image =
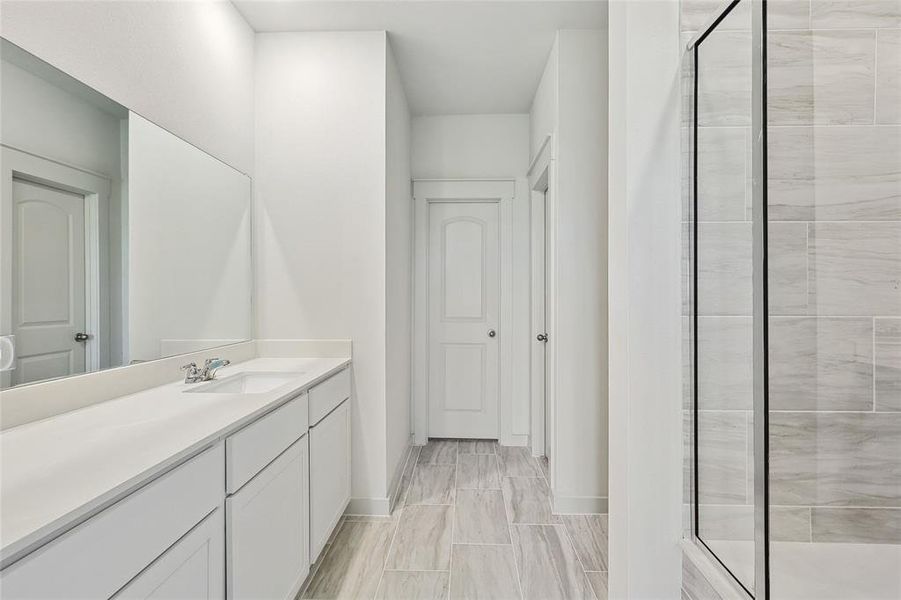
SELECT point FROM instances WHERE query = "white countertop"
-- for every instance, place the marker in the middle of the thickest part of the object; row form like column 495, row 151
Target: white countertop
column 56, row 472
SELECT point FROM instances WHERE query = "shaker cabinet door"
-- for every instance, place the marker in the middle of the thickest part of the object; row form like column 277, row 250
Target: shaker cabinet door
column 329, row 475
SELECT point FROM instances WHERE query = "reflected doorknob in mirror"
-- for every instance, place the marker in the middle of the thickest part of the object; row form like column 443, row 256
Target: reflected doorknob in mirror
column 82, row 337
column 491, row 333
column 541, row 337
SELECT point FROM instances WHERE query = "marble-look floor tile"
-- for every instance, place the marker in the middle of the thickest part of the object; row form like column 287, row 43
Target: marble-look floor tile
column 478, row 447
column 694, row 583
column 528, row 500
column 820, row 77
column 516, row 461
column 439, row 452
column 857, row 525
column 724, row 269
column 353, row 565
column 723, row 163
column 724, row 363
column 787, row 252
column 820, row 363
column 480, row 518
column 423, row 539
column 589, row 537
column 598, row 580
column 835, row 459
column 483, row 573
column 856, row 267
column 432, row 484
column 478, row 472
column 847, row 14
column 414, row 585
column 834, row 173
column 548, row 565
column 723, row 457
column 888, row 364
column 888, row 76
column 545, row 466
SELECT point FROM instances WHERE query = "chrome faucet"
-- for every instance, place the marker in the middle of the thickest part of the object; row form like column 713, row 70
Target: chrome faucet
column 194, row 374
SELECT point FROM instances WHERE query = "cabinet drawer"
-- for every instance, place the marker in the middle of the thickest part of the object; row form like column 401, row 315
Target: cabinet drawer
column 329, row 394
column 252, row 448
column 99, row 556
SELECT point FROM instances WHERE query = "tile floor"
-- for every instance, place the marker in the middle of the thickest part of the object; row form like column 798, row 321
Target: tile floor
column 473, row 520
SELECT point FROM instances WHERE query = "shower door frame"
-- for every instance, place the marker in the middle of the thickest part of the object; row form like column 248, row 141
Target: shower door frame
column 760, row 312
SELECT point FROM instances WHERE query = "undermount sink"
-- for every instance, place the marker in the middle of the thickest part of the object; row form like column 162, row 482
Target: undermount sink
column 250, row 382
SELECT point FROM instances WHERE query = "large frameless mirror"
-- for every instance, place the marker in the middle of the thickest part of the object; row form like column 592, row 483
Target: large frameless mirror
column 119, row 242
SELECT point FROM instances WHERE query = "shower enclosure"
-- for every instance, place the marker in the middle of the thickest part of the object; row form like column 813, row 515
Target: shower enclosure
column 793, row 296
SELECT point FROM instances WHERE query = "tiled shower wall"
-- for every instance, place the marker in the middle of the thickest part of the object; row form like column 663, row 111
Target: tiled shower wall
column 834, row 182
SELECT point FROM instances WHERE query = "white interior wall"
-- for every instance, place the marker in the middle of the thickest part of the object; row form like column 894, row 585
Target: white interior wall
column 571, row 104
column 485, row 147
column 398, row 273
column 187, row 66
column 645, row 300
column 320, row 215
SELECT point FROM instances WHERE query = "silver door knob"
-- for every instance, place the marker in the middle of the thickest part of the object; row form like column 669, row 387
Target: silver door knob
column 491, row 333
column 541, row 337
column 82, row 337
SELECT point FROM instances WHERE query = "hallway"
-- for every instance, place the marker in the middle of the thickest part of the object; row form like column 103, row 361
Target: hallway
column 473, row 521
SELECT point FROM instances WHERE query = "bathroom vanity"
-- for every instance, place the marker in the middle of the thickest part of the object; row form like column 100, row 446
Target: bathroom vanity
column 228, row 488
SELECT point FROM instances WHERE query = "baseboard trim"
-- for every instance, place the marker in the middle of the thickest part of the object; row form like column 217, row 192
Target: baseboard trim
column 399, row 469
column 580, row 505
column 374, row 507
column 515, row 439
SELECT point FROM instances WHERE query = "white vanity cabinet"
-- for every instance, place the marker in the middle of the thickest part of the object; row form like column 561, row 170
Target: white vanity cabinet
column 192, row 568
column 330, row 459
column 268, row 516
column 102, row 555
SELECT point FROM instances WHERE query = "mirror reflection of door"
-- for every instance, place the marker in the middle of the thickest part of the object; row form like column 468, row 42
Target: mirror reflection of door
column 48, row 297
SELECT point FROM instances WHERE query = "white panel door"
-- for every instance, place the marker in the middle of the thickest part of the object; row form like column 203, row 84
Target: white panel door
column 464, row 298
column 48, row 270
column 268, row 530
column 193, row 568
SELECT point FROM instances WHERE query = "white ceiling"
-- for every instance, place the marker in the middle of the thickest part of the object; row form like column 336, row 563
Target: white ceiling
column 455, row 56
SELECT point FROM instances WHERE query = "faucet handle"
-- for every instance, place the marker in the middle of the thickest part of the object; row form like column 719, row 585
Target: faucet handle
column 189, row 367
column 210, row 361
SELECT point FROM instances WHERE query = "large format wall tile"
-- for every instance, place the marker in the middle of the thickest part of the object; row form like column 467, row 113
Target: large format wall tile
column 723, row 173
column 724, row 363
column 835, row 459
column 723, row 457
column 724, row 79
column 844, row 14
column 820, row 77
column 787, row 523
column 888, row 364
column 781, row 14
column 818, row 363
column 834, row 173
column 857, row 525
column 787, row 249
column 724, row 269
column 856, row 268
column 888, row 76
